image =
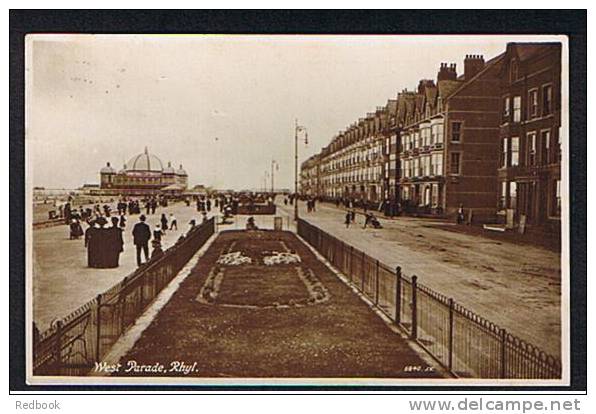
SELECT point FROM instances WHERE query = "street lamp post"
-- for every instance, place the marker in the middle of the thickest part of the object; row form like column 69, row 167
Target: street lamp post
column 274, row 166
column 297, row 128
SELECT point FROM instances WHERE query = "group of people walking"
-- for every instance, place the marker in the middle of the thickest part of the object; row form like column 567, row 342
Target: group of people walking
column 104, row 244
column 104, row 235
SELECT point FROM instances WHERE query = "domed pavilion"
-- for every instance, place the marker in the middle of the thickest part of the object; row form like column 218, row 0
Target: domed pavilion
column 143, row 174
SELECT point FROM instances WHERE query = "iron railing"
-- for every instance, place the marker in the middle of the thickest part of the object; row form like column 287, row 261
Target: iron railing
column 73, row 345
column 464, row 343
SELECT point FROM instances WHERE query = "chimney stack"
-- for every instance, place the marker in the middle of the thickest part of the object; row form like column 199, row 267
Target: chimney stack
column 473, row 64
column 423, row 84
column 447, row 72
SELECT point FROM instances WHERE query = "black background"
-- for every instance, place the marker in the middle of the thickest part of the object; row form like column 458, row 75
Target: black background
column 560, row 22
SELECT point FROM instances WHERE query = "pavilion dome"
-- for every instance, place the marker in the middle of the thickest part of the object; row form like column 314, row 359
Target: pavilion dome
column 169, row 169
column 145, row 162
column 108, row 169
column 181, row 171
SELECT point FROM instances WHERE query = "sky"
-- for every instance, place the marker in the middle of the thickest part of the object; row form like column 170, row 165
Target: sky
column 222, row 106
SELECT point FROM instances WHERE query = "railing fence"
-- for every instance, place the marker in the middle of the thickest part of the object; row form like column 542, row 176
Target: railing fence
column 463, row 342
column 73, row 345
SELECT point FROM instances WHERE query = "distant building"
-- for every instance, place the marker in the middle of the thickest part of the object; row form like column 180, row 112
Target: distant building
column 143, row 174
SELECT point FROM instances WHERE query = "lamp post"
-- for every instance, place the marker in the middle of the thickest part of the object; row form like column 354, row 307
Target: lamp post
column 274, row 166
column 297, row 128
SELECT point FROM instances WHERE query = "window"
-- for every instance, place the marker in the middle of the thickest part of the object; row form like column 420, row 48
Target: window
column 504, row 154
column 545, row 142
column 435, row 195
column 427, row 166
column 516, row 108
column 531, row 148
column 455, row 131
column 533, row 103
column 512, row 194
column 455, row 165
column 437, row 164
column 506, row 108
column 514, row 151
column 426, row 136
column 416, row 167
column 436, row 134
column 547, row 100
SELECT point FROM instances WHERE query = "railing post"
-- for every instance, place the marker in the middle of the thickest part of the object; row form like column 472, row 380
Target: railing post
column 362, row 273
column 377, row 284
column 503, row 336
column 451, row 333
column 122, row 305
column 351, row 263
column 414, row 333
column 98, row 330
column 398, row 295
column 58, row 349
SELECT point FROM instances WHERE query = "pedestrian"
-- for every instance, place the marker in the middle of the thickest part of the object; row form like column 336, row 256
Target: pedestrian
column 366, row 219
column 141, row 234
column 164, row 222
column 122, row 223
column 75, row 229
column 353, row 216
column 460, row 214
column 115, row 244
column 173, row 222
column 348, row 219
column 91, row 248
column 157, row 233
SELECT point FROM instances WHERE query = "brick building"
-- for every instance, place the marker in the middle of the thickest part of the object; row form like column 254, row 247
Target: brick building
column 529, row 173
column 450, row 139
column 353, row 165
column 309, row 177
column 487, row 140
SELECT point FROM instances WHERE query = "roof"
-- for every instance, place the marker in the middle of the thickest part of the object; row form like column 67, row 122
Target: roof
column 173, row 187
column 169, row 169
column 447, row 87
column 145, row 162
column 107, row 169
column 527, row 50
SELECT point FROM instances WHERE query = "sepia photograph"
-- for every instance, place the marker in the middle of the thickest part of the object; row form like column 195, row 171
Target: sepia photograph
column 234, row 209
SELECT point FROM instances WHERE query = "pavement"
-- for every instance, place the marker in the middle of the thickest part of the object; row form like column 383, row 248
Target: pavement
column 517, row 286
column 61, row 279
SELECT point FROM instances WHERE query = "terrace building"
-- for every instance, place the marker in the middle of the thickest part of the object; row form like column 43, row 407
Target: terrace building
column 309, row 177
column 529, row 173
column 355, row 164
column 487, row 140
column 450, row 139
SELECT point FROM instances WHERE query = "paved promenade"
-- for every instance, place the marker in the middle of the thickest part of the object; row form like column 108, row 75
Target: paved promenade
column 61, row 279
column 514, row 285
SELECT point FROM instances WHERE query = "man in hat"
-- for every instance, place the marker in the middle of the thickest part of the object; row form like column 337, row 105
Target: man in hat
column 141, row 234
